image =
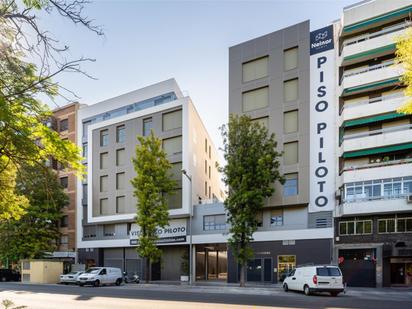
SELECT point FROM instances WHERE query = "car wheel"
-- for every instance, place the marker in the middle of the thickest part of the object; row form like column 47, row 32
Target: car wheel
column 334, row 294
column 81, row 284
column 96, row 283
column 285, row 287
column 306, row 290
column 118, row 282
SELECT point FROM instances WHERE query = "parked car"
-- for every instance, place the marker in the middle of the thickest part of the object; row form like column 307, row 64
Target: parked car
column 97, row 276
column 9, row 275
column 311, row 279
column 70, row 277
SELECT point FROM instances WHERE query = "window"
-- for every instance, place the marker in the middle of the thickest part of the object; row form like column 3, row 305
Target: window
column 290, row 122
column 104, row 183
column 147, row 126
column 255, row 69
column 210, row 193
column 255, row 99
column 84, row 149
column 64, row 240
column 173, row 145
column 290, row 59
column 104, row 137
column 214, row 222
column 386, row 225
column 120, row 181
column 392, row 225
column 120, row 157
column 210, row 152
column 290, row 155
column 290, row 90
column 290, row 187
column 120, row 204
column 104, row 160
column 264, row 121
column 63, row 125
column 172, row 120
column 174, row 200
column 109, row 230
column 276, row 217
column 210, row 171
column 328, row 271
column 120, row 134
column 64, row 221
column 64, row 181
column 206, row 145
column 206, row 188
column 404, row 225
column 104, row 206
column 357, row 227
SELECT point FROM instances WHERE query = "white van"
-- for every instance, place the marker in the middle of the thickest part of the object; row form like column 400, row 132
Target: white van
column 309, row 279
column 97, row 276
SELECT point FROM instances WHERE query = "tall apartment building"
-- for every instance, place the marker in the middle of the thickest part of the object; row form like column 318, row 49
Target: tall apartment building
column 64, row 121
column 373, row 225
column 270, row 80
column 106, row 232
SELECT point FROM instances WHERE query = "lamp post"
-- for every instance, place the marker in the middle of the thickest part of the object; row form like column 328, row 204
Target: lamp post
column 190, row 227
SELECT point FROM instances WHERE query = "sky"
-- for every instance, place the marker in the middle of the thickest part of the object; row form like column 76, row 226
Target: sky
column 149, row 41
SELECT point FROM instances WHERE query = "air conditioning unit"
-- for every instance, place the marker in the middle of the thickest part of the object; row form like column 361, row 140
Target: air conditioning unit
column 409, row 198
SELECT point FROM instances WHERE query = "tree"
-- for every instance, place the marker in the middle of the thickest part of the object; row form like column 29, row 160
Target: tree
column 251, row 169
column 404, row 56
column 152, row 185
column 37, row 231
column 29, row 59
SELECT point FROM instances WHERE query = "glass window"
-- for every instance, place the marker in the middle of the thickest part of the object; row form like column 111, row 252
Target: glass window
column 276, row 217
column 173, row 145
column 104, row 137
column 121, row 134
column 174, row 200
column 381, row 226
column 104, row 160
column 351, row 228
column 120, row 157
column 84, row 150
column 390, row 226
column 368, row 227
column 85, row 125
column 409, row 225
column 290, row 122
column 104, row 206
column 214, row 222
column 290, row 187
column 64, row 181
column 63, row 125
column 359, row 227
column 290, row 155
column 172, row 120
column 108, row 230
column 147, row 126
column 104, row 183
column 120, row 204
column 255, row 99
column 291, row 90
column 120, row 181
column 264, row 121
column 290, row 59
column 64, row 221
column 401, row 225
column 342, row 228
column 64, row 239
column 255, row 69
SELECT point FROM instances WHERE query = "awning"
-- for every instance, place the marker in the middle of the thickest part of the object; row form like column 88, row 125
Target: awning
column 367, row 120
column 378, row 150
column 381, row 84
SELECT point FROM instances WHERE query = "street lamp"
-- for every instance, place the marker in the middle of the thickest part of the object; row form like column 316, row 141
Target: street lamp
column 190, row 226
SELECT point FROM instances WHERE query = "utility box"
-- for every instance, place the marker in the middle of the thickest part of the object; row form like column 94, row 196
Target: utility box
column 41, row 271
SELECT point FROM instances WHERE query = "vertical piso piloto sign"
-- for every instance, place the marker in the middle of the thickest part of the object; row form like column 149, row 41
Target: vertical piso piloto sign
column 322, row 120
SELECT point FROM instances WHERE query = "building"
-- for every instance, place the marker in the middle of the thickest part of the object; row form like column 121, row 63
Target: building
column 106, row 232
column 270, row 80
column 373, row 218
column 64, row 121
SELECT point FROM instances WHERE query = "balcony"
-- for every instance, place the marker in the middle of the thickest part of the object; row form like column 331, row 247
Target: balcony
column 368, row 207
column 381, row 105
column 377, row 138
column 373, row 44
column 370, row 75
column 369, row 172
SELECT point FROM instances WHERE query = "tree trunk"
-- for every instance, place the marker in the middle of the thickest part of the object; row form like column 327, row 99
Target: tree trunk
column 148, row 270
column 242, row 275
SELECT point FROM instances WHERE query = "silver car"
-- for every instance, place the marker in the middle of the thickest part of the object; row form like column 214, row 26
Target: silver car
column 71, row 277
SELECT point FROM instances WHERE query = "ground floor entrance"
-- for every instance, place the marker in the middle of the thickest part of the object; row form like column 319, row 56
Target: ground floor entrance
column 211, row 262
column 401, row 271
column 358, row 267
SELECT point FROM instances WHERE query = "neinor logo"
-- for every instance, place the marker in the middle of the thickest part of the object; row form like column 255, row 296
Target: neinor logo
column 321, row 43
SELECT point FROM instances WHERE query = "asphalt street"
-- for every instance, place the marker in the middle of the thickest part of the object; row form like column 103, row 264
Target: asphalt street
column 159, row 297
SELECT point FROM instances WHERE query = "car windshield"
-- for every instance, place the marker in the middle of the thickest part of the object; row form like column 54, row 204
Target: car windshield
column 72, row 273
column 328, row 271
column 92, row 271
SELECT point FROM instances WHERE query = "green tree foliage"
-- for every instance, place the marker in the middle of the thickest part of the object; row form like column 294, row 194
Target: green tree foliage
column 404, row 56
column 37, row 231
column 250, row 173
column 152, row 185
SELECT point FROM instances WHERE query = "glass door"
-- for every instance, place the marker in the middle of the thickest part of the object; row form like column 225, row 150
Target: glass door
column 286, row 263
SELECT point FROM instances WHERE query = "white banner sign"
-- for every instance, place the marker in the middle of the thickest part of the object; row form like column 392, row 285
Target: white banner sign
column 322, row 120
column 176, row 228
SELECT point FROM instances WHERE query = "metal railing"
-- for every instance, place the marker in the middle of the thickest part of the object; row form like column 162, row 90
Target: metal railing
column 395, row 97
column 367, row 69
column 377, row 132
column 377, row 164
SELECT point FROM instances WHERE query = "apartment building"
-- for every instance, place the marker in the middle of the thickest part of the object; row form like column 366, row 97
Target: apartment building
column 373, row 217
column 271, row 79
column 106, row 229
column 64, row 121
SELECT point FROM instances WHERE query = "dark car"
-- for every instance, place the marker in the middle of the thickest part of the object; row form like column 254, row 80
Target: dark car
column 9, row 275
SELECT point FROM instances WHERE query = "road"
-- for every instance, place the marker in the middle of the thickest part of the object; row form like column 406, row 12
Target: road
column 145, row 297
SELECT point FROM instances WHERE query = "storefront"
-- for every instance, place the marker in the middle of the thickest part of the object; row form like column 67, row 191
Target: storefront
column 211, row 262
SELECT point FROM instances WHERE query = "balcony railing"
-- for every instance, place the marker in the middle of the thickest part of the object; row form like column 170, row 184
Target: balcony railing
column 394, row 97
column 369, row 36
column 377, row 132
column 375, row 198
column 377, row 164
column 367, row 69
